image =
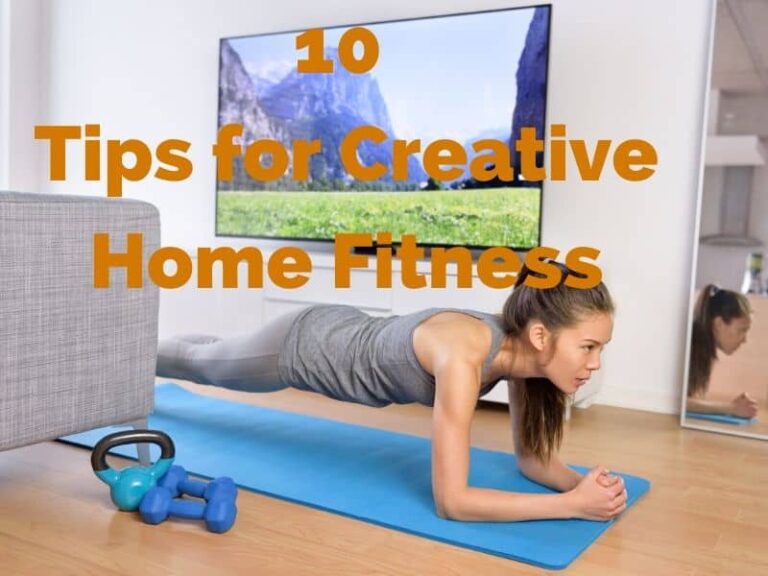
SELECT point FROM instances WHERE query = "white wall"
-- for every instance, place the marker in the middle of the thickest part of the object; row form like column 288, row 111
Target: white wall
column 618, row 70
column 24, row 39
column 5, row 50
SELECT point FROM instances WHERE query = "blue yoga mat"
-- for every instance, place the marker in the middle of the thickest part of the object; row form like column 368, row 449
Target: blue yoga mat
column 372, row 475
column 720, row 418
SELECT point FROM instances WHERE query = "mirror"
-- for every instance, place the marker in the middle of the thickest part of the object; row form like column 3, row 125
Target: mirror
column 726, row 388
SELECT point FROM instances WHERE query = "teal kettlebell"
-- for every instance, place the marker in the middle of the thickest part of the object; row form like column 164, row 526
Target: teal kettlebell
column 128, row 486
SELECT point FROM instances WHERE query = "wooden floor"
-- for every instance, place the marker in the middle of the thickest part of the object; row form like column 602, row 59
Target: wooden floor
column 706, row 513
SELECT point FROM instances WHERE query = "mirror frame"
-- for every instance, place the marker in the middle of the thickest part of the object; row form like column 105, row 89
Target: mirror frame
column 684, row 423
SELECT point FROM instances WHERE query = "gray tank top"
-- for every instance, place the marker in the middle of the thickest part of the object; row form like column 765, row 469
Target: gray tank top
column 342, row 352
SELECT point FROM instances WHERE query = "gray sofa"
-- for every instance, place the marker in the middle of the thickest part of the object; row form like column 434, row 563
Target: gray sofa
column 72, row 357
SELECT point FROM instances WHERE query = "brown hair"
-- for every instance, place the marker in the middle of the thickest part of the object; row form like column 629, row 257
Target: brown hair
column 713, row 302
column 541, row 403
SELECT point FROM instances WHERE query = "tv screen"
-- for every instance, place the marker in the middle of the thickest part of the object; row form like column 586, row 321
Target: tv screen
column 464, row 78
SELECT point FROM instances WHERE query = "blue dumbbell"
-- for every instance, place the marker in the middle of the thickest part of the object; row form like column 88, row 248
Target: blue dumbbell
column 177, row 482
column 158, row 504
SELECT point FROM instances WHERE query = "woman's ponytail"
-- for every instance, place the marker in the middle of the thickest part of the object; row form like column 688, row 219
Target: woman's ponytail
column 541, row 403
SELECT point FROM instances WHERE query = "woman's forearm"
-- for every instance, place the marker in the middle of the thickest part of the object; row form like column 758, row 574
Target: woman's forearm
column 708, row 406
column 489, row 505
column 555, row 474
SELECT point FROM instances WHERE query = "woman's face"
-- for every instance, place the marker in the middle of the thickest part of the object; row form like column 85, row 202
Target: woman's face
column 729, row 336
column 576, row 351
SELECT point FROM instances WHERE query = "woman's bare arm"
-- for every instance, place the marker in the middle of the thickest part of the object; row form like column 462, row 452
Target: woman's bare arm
column 707, row 406
column 743, row 406
column 456, row 392
column 553, row 474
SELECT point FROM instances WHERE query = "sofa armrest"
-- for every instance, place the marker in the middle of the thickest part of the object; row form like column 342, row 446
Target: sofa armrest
column 72, row 357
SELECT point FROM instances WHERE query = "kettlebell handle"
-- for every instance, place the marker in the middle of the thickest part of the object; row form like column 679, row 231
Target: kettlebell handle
column 99, row 454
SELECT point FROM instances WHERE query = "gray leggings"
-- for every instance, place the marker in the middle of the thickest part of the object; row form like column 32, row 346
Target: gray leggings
column 247, row 362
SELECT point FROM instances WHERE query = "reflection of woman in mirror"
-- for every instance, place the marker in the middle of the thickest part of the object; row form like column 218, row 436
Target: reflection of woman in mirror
column 721, row 320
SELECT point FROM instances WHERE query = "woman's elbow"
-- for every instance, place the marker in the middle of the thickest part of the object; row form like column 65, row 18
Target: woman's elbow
column 530, row 466
column 448, row 507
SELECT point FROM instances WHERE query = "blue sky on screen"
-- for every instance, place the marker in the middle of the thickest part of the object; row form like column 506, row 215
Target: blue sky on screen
column 447, row 77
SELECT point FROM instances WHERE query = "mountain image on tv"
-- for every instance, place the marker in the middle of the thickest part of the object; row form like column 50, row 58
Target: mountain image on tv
column 465, row 78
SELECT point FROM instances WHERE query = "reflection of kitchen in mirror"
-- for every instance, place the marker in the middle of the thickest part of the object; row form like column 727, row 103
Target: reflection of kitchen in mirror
column 727, row 385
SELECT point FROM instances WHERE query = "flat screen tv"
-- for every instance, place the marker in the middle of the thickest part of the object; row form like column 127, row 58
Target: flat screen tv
column 464, row 77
